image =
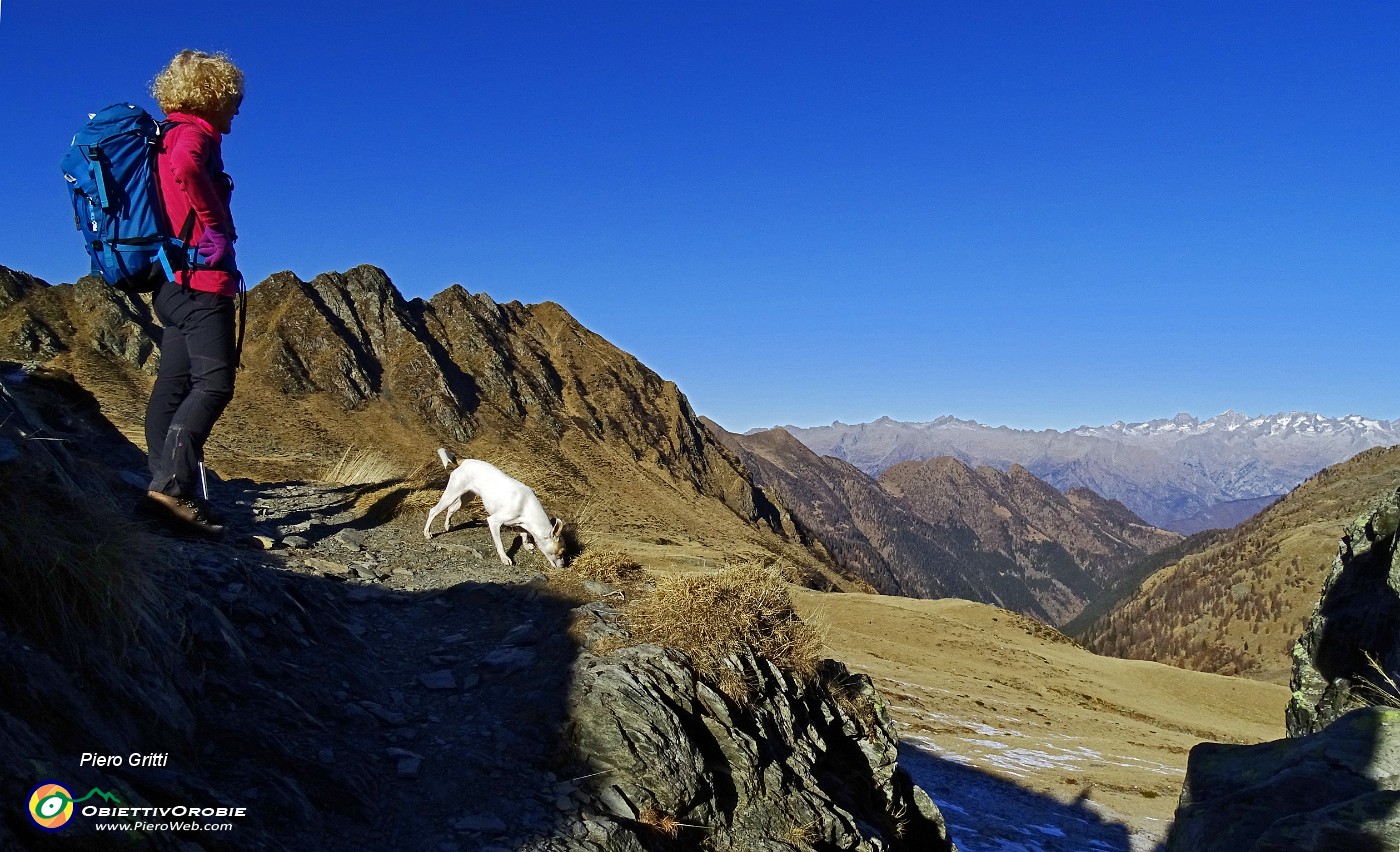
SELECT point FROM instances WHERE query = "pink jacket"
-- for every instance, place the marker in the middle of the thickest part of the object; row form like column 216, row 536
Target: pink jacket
column 190, row 174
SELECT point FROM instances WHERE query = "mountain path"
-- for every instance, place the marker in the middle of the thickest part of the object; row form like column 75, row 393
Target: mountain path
column 433, row 697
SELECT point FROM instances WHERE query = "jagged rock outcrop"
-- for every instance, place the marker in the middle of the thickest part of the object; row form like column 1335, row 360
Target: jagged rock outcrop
column 1349, row 653
column 791, row 768
column 1334, row 791
column 37, row 322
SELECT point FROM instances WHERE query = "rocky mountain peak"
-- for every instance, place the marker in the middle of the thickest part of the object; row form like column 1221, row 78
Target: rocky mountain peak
column 15, row 285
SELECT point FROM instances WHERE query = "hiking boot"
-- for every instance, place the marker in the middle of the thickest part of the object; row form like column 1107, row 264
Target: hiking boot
column 190, row 512
column 213, row 515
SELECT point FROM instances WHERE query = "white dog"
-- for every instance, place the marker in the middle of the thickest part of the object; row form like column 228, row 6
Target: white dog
column 507, row 503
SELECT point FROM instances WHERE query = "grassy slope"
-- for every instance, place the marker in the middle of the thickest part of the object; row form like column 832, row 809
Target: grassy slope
column 1238, row 605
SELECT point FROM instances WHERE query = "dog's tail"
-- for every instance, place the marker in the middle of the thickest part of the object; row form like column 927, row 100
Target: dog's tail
column 445, row 457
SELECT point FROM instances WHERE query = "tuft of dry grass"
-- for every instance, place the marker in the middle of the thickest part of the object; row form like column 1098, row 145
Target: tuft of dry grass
column 712, row 617
column 852, row 695
column 802, row 835
column 1381, row 692
column 362, row 467
column 608, row 565
column 76, row 575
column 662, row 822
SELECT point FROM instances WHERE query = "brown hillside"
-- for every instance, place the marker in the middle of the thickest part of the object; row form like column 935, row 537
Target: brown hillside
column 344, row 363
column 871, row 534
column 1238, row 605
column 1069, row 547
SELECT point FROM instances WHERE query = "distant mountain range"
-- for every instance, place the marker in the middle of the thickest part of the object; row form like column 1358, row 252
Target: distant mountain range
column 1181, row 474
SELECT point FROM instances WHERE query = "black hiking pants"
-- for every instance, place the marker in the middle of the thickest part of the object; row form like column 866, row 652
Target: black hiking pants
column 194, row 383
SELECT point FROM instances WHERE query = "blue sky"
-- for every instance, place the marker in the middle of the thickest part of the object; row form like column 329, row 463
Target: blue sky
column 1033, row 214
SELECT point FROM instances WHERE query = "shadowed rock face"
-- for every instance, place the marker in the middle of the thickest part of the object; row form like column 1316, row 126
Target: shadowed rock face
column 1349, row 653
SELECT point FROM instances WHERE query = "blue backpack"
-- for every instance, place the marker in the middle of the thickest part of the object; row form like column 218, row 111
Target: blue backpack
column 110, row 170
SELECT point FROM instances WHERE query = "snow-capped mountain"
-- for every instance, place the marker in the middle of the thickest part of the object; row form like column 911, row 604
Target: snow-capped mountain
column 1168, row 471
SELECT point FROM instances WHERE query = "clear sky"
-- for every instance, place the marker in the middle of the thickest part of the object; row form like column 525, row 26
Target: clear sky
column 1039, row 214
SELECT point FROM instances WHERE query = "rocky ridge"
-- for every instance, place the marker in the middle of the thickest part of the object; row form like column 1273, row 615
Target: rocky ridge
column 343, row 364
column 356, row 687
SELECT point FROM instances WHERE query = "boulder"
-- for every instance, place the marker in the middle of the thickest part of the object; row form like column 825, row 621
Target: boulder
column 1336, row 790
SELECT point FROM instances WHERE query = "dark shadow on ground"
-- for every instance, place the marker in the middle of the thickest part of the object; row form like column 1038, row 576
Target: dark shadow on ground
column 987, row 813
column 342, row 714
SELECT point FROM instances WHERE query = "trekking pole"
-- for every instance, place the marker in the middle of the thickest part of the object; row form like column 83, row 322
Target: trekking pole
column 203, row 483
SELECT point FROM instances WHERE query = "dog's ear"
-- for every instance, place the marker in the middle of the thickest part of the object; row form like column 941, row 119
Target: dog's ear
column 558, row 527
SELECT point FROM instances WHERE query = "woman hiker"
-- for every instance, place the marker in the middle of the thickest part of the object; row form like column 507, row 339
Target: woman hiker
column 200, row 94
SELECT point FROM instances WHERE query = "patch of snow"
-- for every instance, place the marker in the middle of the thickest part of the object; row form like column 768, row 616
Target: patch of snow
column 1047, row 829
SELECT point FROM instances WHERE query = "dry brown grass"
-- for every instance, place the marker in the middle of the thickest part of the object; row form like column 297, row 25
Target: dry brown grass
column 802, row 835
column 76, row 575
column 608, row 565
column 715, row 616
column 362, row 467
column 855, row 696
column 1379, row 690
column 662, row 822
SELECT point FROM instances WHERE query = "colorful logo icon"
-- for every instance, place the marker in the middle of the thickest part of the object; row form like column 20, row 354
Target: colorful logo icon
column 50, row 806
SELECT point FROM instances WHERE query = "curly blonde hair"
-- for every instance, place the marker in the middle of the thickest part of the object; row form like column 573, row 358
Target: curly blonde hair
column 198, row 82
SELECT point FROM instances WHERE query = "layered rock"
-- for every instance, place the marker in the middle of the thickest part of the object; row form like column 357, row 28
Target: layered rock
column 793, row 767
